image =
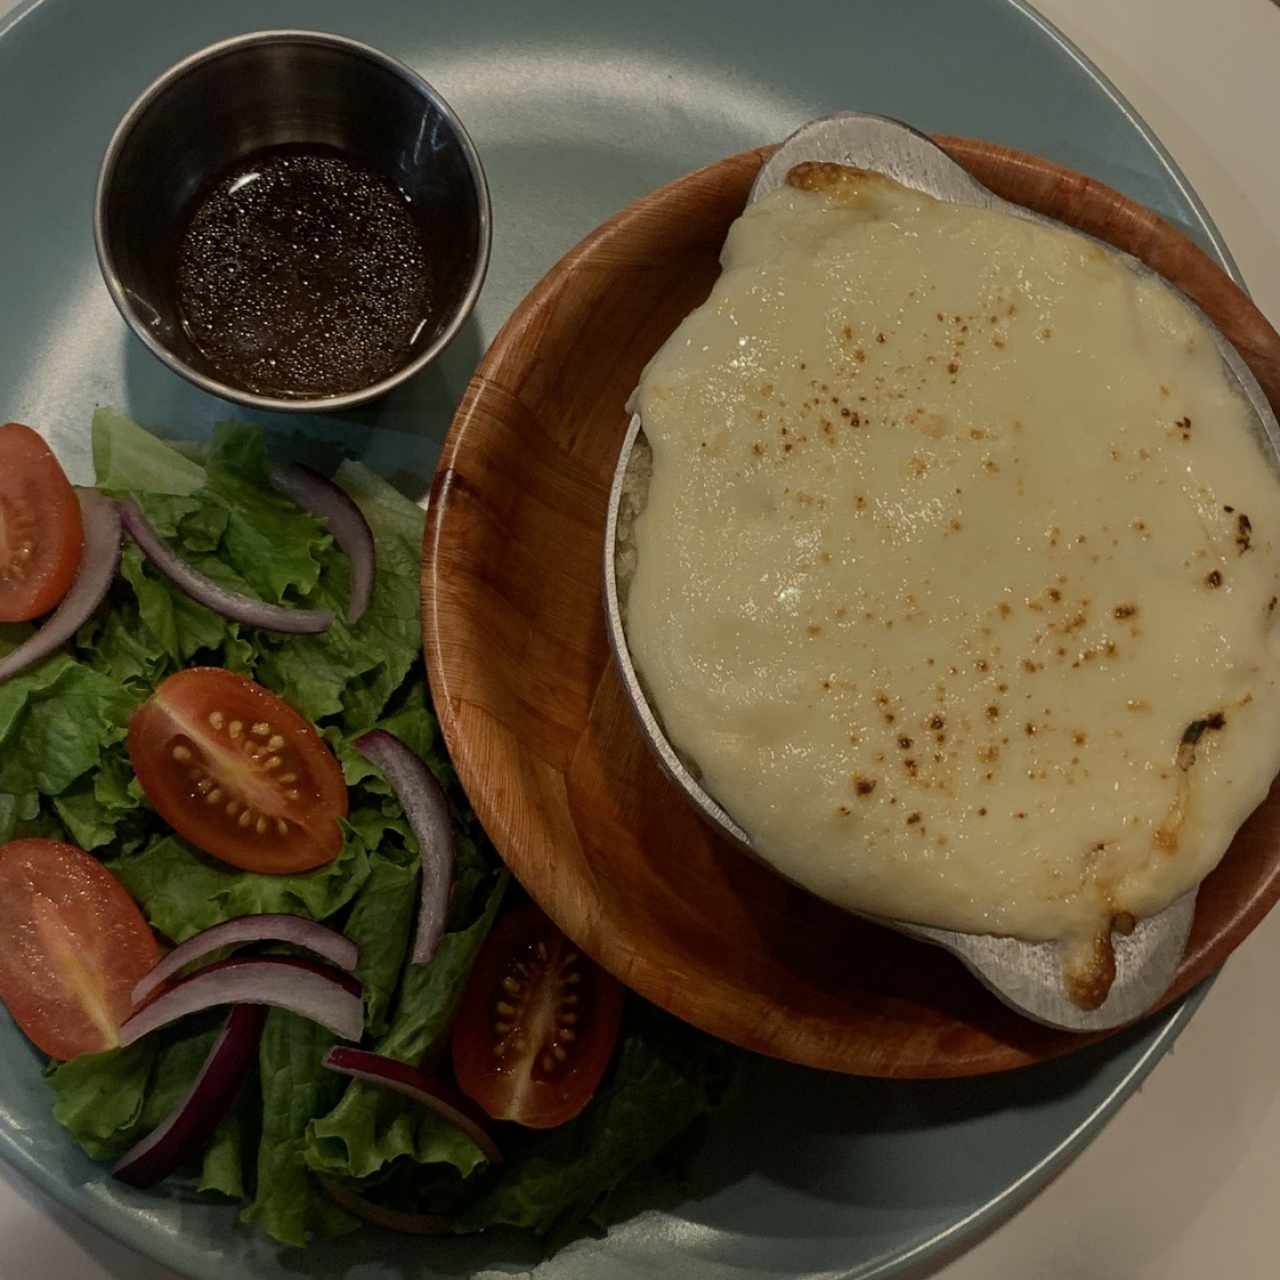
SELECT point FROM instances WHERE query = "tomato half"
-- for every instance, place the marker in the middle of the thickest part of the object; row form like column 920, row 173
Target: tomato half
column 75, row 946
column 41, row 538
column 238, row 772
column 537, row 1025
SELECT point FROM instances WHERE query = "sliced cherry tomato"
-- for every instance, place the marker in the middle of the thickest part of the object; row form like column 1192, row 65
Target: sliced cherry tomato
column 75, row 946
column 41, row 538
column 238, row 772
column 537, row 1025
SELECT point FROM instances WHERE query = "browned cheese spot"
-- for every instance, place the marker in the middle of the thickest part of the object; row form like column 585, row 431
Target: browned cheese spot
column 1244, row 533
column 1089, row 972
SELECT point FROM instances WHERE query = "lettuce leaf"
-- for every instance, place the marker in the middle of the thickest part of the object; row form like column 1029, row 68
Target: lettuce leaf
column 287, row 1204
column 222, row 1167
column 99, row 1097
column 17, row 812
column 55, row 721
column 184, row 891
column 105, row 806
column 273, row 545
column 370, row 1127
column 379, row 924
column 108, row 1101
column 115, row 643
column 128, row 459
column 411, row 720
column 175, row 625
column 352, row 671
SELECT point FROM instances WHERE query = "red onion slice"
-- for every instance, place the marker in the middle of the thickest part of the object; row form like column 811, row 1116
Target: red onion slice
column 194, row 1120
column 375, row 1068
column 413, row 1224
column 98, row 562
column 327, row 996
column 345, row 521
column 295, row 930
column 203, row 590
column 427, row 811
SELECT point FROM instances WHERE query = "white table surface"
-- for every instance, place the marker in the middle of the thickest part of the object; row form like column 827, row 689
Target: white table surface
column 1185, row 1182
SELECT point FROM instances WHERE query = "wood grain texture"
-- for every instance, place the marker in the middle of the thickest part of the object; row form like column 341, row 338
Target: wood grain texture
column 537, row 721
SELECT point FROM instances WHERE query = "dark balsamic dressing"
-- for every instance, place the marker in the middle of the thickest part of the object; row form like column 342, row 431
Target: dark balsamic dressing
column 302, row 273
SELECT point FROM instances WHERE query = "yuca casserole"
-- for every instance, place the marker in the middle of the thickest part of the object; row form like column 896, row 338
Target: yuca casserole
column 949, row 564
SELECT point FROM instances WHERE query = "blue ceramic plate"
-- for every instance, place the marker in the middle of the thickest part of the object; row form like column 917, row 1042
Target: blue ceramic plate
column 577, row 109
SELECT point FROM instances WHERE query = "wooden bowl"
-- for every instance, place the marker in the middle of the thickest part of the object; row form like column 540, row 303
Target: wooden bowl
column 540, row 730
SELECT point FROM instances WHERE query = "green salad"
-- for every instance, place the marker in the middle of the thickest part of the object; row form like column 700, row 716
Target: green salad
column 65, row 774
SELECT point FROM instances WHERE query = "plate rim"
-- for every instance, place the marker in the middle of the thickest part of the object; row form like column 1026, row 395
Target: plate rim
column 975, row 1226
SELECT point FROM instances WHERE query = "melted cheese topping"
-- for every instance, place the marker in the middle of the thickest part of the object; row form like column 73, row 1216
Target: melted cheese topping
column 956, row 572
